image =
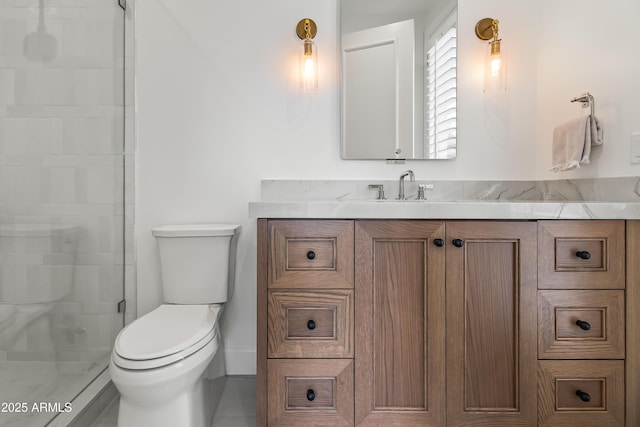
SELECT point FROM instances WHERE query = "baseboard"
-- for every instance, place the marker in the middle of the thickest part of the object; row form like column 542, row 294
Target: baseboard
column 240, row 361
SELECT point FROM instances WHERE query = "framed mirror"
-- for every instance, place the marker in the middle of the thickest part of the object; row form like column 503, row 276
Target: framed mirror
column 398, row 79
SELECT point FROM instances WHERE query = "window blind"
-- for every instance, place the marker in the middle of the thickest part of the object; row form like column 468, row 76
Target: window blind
column 440, row 90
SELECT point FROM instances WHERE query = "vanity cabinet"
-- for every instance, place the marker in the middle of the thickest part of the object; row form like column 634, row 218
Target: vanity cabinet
column 448, row 323
column 309, row 303
column 581, row 323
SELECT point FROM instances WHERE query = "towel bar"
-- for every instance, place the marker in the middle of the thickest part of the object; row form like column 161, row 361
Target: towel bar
column 587, row 101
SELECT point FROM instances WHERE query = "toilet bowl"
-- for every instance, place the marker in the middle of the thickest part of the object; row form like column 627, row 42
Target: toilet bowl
column 168, row 365
column 159, row 359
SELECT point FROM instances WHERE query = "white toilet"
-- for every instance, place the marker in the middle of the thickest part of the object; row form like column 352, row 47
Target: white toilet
column 168, row 365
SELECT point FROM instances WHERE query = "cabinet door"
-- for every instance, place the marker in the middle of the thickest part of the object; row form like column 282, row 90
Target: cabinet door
column 491, row 323
column 399, row 323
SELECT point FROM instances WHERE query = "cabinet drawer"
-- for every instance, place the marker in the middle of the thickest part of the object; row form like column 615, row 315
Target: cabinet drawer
column 310, row 392
column 581, row 255
column 581, row 324
column 581, row 393
column 310, row 254
column 307, row 324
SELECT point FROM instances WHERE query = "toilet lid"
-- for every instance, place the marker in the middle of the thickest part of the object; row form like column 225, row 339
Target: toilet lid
column 167, row 330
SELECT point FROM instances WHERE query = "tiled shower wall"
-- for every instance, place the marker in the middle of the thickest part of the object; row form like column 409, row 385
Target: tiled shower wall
column 62, row 126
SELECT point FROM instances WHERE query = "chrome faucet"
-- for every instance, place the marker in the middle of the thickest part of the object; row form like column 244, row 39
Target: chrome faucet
column 380, row 189
column 401, row 186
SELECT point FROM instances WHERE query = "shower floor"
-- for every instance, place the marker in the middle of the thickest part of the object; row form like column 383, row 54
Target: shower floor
column 33, row 392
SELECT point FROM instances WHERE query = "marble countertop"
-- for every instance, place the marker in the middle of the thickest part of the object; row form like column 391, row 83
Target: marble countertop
column 464, row 209
column 615, row 198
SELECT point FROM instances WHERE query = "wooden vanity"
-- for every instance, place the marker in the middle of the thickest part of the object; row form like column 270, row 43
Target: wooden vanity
column 411, row 322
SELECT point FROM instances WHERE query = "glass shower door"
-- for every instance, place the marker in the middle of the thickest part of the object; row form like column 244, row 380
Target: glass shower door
column 61, row 200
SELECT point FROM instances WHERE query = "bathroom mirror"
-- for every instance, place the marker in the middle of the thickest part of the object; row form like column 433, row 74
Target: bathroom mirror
column 398, row 79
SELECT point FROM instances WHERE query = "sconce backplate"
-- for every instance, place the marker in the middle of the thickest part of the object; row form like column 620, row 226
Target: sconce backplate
column 484, row 29
column 302, row 32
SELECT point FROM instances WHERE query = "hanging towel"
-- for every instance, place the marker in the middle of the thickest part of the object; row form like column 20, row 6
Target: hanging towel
column 572, row 142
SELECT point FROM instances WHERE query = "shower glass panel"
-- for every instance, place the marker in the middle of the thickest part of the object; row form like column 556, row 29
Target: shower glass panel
column 62, row 223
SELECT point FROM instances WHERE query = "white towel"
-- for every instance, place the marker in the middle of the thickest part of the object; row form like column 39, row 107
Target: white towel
column 572, row 143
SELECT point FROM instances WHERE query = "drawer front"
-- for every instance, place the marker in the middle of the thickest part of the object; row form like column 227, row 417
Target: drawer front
column 576, row 324
column 310, row 254
column 581, row 393
column 310, row 392
column 581, row 255
column 307, row 324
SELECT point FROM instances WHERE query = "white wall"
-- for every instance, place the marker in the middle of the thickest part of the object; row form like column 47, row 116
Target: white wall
column 597, row 54
column 218, row 110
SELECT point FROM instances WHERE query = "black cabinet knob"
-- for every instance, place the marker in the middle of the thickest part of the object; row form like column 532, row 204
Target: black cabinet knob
column 438, row 242
column 585, row 326
column 311, row 395
column 458, row 243
column 583, row 255
column 311, row 255
column 584, row 396
column 311, row 325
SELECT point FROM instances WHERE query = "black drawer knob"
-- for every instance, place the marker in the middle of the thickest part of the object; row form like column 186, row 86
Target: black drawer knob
column 585, row 326
column 458, row 243
column 583, row 255
column 311, row 325
column 584, row 396
column 311, row 395
column 311, row 255
column 438, row 242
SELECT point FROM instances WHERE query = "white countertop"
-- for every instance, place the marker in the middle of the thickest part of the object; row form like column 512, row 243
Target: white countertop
column 466, row 209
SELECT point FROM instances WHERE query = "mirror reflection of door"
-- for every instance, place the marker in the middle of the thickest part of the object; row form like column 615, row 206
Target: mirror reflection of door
column 378, row 88
column 398, row 79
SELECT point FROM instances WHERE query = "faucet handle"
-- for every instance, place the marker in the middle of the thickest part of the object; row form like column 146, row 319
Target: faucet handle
column 421, row 190
column 380, row 189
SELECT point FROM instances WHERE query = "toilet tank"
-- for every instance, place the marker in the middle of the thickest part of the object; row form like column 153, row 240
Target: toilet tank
column 197, row 262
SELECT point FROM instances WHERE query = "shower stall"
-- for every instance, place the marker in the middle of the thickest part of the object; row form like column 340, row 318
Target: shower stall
column 65, row 199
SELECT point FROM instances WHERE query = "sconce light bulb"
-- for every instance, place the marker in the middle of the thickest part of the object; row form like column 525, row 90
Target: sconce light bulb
column 495, row 75
column 495, row 65
column 308, row 68
column 496, row 60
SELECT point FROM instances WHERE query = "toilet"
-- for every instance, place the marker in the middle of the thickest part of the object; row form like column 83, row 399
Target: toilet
column 168, row 365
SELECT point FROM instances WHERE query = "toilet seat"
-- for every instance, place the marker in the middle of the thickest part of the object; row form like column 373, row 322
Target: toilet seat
column 166, row 335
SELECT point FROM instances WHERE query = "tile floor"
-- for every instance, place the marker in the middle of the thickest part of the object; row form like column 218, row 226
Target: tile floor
column 49, row 383
column 237, row 406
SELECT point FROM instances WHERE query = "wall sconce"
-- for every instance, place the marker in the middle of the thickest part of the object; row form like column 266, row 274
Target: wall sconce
column 495, row 75
column 308, row 68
